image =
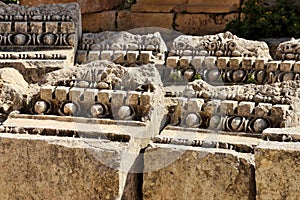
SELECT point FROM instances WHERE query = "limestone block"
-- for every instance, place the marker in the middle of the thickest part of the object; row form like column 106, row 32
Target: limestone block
column 297, row 66
column 89, row 96
column 93, row 55
column 228, row 107
column 159, row 6
column 118, row 98
column 178, row 172
column 67, row 27
column 21, row 27
column 46, row 92
column 219, row 6
column 51, row 27
column 146, row 98
column 273, row 65
column 81, row 56
column 206, row 23
column 75, row 94
column 132, row 56
column 127, row 20
column 107, row 55
column 286, row 65
column 262, row 109
column 145, row 56
column 197, row 62
column 195, row 105
column 48, row 167
column 223, row 62
column 98, row 22
column 277, row 171
column 246, row 108
column 87, row 6
column 279, row 111
column 5, row 27
column 61, row 93
column 172, row 61
column 247, row 63
column 132, row 98
column 185, row 61
column 235, row 63
column 260, row 63
column 119, row 56
column 104, row 96
column 210, row 62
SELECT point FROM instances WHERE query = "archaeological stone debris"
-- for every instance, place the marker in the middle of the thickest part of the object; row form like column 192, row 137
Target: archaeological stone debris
column 119, row 115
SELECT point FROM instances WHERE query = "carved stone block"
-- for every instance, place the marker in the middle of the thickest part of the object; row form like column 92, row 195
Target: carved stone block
column 107, row 55
column 46, row 93
column 262, row 109
column 287, row 65
column 197, row 62
column 195, row 105
column 36, row 27
column 223, row 62
column 228, row 107
column 210, row 62
column 93, row 55
column 245, row 108
column 61, row 93
column 5, row 27
column 172, row 61
column 132, row 98
column 21, row 27
column 104, row 96
column 273, row 65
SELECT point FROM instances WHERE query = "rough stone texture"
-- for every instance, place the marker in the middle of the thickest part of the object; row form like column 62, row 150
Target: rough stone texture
column 201, row 24
column 40, row 167
column 45, row 33
column 127, row 20
column 277, row 170
column 196, row 173
column 191, row 6
column 289, row 50
column 109, row 40
column 98, row 22
column 87, row 6
column 226, row 43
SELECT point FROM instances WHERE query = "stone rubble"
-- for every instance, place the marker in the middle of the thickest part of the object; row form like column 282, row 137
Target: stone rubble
column 130, row 118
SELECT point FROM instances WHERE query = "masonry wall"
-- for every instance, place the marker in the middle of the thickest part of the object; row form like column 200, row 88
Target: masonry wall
column 197, row 17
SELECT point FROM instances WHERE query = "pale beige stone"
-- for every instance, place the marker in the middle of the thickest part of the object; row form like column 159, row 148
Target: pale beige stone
column 206, row 24
column 127, row 20
column 98, row 22
column 56, row 168
column 176, row 172
column 277, row 170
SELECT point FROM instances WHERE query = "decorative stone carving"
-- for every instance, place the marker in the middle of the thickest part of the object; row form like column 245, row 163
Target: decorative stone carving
column 115, row 46
column 222, row 44
column 54, row 28
column 289, row 50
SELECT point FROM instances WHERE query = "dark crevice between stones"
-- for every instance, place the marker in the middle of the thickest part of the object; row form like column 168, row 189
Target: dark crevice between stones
column 252, row 184
column 134, row 183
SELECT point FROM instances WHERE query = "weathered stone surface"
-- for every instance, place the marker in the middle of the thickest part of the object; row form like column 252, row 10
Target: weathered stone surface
column 201, row 24
column 191, row 6
column 86, row 6
column 46, row 33
column 218, row 6
column 289, row 50
column 224, row 43
column 277, row 171
column 127, row 20
column 30, row 165
column 98, row 22
column 110, row 40
column 197, row 173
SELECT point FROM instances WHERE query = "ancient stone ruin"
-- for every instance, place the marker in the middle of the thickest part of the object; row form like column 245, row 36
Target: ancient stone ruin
column 118, row 115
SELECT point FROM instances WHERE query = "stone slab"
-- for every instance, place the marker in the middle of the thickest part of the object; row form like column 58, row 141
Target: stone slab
column 178, row 172
column 127, row 20
column 30, row 165
column 277, row 171
column 98, row 22
column 87, row 6
column 206, row 23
